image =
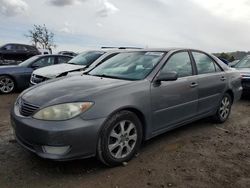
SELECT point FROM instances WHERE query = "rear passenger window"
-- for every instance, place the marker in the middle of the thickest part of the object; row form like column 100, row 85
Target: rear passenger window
column 180, row 63
column 204, row 63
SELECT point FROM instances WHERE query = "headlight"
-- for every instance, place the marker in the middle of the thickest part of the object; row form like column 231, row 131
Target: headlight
column 62, row 111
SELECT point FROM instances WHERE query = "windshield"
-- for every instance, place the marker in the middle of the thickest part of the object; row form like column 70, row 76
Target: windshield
column 244, row 63
column 128, row 65
column 27, row 62
column 86, row 58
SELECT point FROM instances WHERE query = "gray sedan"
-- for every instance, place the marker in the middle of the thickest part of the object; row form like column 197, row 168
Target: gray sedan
column 244, row 67
column 132, row 97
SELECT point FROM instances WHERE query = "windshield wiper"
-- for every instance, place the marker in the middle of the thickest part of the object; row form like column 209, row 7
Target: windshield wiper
column 106, row 76
column 72, row 63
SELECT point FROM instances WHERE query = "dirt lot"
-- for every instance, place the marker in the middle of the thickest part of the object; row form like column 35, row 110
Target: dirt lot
column 201, row 154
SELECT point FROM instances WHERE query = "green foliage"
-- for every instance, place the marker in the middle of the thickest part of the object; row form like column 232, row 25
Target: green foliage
column 231, row 56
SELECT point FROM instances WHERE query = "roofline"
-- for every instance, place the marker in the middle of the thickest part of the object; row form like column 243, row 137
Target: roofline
column 18, row 44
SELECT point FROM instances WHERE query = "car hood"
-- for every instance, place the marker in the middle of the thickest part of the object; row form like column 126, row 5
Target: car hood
column 55, row 70
column 69, row 89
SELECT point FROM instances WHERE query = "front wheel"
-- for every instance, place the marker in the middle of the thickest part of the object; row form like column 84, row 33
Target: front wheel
column 120, row 138
column 7, row 84
column 224, row 109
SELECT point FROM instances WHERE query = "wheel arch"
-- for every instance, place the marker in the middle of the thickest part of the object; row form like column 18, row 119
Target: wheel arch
column 134, row 110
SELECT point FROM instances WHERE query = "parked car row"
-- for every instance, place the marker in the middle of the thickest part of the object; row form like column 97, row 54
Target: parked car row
column 123, row 98
column 79, row 63
column 42, row 68
column 243, row 66
column 14, row 77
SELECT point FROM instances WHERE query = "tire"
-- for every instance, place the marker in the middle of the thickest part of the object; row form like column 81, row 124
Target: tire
column 7, row 84
column 224, row 109
column 116, row 146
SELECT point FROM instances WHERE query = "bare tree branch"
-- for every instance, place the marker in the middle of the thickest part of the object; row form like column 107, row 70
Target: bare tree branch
column 41, row 37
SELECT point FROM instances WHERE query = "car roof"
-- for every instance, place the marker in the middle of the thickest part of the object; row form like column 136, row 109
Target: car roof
column 167, row 49
column 154, row 49
column 114, row 50
column 17, row 44
column 53, row 55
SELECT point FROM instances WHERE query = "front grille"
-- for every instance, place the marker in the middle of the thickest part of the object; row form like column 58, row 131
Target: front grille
column 36, row 79
column 246, row 84
column 26, row 109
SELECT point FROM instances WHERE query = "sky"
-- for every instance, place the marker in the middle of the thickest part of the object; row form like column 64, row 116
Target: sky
column 210, row 25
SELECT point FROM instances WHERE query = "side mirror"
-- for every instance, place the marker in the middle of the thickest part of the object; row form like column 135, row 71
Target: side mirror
column 3, row 48
column 167, row 76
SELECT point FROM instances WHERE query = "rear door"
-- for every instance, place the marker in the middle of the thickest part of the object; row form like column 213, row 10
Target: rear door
column 175, row 101
column 211, row 81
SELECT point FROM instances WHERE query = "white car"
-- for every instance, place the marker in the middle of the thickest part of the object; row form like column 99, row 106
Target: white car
column 78, row 63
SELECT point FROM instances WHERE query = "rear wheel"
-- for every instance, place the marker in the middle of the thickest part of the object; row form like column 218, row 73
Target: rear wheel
column 7, row 84
column 224, row 109
column 120, row 138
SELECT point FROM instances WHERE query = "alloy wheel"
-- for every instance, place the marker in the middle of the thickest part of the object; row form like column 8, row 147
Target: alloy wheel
column 122, row 139
column 224, row 108
column 6, row 85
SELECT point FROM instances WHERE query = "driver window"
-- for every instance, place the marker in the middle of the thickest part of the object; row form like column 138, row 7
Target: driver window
column 180, row 63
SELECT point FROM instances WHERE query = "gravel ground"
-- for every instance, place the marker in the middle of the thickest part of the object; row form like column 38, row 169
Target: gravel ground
column 201, row 154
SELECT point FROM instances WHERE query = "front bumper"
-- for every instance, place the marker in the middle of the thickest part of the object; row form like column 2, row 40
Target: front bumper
column 80, row 135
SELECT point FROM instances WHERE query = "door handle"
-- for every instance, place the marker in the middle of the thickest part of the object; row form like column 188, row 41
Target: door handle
column 223, row 78
column 193, row 85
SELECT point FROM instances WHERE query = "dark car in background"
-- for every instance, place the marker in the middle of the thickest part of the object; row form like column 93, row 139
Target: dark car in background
column 18, row 76
column 224, row 60
column 15, row 53
column 244, row 67
column 130, row 97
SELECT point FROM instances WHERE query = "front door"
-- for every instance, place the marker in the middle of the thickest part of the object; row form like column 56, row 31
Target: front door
column 175, row 101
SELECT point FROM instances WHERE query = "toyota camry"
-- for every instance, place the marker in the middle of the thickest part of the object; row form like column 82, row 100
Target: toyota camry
column 129, row 98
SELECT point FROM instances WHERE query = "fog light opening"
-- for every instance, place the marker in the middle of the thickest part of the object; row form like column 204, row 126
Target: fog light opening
column 56, row 150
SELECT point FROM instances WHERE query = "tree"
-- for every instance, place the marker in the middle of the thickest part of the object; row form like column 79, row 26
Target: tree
column 41, row 37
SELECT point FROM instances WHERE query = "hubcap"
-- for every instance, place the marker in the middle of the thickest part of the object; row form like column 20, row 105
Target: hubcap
column 224, row 108
column 122, row 139
column 6, row 85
